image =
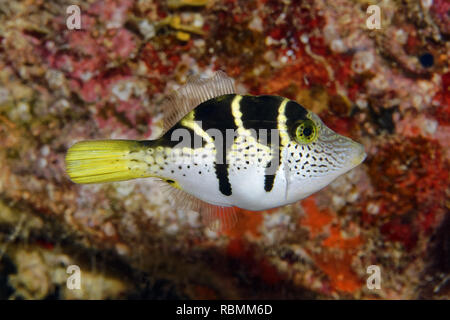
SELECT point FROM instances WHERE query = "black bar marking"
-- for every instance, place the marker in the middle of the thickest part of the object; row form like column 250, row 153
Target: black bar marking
column 260, row 113
column 222, row 176
column 269, row 179
column 166, row 139
column 294, row 112
column 216, row 114
column 270, row 173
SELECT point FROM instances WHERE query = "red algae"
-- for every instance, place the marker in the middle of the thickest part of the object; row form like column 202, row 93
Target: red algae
column 335, row 240
column 258, row 267
column 316, row 220
column 338, row 269
column 412, row 184
column 337, row 252
column 249, row 222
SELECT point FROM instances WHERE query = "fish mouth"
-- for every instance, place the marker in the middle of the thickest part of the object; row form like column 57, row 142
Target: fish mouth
column 357, row 154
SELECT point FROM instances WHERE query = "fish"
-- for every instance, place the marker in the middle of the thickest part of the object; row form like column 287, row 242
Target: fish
column 221, row 151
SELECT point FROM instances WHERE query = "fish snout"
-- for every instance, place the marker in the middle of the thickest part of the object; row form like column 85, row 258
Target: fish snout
column 357, row 154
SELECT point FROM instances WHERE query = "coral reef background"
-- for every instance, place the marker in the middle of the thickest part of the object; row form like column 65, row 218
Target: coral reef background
column 387, row 88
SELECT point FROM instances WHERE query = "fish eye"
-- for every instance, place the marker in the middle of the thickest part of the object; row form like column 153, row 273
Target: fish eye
column 306, row 131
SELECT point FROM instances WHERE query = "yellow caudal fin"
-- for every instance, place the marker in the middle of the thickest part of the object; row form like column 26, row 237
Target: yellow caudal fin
column 104, row 161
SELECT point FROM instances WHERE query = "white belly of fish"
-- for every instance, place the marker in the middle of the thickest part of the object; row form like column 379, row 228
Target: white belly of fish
column 248, row 189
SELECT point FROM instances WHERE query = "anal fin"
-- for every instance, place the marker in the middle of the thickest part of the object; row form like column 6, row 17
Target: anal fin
column 216, row 218
column 219, row 218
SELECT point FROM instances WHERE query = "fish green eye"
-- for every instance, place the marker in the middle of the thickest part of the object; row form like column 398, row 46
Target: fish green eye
column 306, row 131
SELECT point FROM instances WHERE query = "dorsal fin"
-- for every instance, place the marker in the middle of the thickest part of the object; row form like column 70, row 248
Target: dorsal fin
column 216, row 218
column 194, row 92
